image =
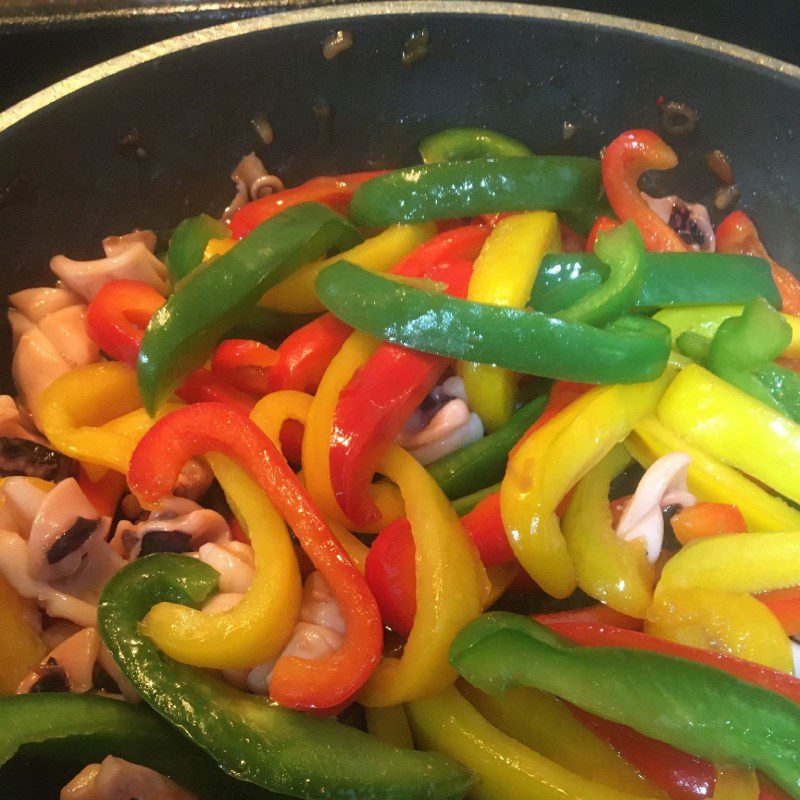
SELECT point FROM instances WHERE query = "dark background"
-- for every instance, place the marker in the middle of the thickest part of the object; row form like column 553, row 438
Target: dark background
column 35, row 51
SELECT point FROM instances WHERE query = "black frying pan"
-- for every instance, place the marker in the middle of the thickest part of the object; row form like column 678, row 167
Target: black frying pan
column 523, row 70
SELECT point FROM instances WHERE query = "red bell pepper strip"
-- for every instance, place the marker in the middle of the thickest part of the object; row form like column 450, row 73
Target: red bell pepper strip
column 105, row 493
column 707, row 519
column 485, row 527
column 197, row 429
column 335, row 191
column 304, row 355
column 624, row 160
column 380, row 397
column 785, row 605
column 601, row 225
column 116, row 319
column 610, row 636
column 244, row 364
column 737, row 234
column 591, row 615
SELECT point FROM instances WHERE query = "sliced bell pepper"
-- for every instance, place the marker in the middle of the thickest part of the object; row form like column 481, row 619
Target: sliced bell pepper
column 545, row 725
column 624, row 161
column 564, row 450
column 104, row 494
column 785, row 605
column 205, row 427
column 608, row 568
column 506, row 768
column 483, row 462
column 334, row 191
column 451, row 585
column 504, row 274
column 20, row 644
column 189, row 241
column 699, row 709
column 733, row 427
column 183, row 332
column 259, row 625
column 251, row 737
column 82, row 728
column 601, row 225
column 460, row 144
column 591, row 615
column 467, row 188
column 629, row 350
column 380, row 253
column 706, row 519
column 244, row 364
column 463, row 243
column 463, row 505
column 737, row 234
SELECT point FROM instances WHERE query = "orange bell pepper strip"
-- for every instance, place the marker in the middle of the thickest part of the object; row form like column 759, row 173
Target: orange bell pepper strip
column 103, row 494
column 737, row 234
column 624, row 161
column 785, row 605
column 214, row 427
column 707, row 519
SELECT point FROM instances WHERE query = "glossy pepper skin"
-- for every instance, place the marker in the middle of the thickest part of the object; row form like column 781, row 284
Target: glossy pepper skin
column 624, row 161
column 670, row 279
column 183, row 332
column 628, row 351
column 20, row 643
column 460, row 144
column 82, row 728
column 245, row 364
column 281, row 750
column 204, row 427
column 480, row 186
column 695, row 708
column 189, row 241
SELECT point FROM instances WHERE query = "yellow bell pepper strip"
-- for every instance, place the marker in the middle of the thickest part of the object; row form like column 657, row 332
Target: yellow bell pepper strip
column 316, row 442
column 608, row 568
column 380, row 253
column 713, row 481
column 734, row 624
column 449, row 724
column 552, row 460
column 736, row 783
column 545, row 725
column 503, row 276
column 20, row 645
column 731, row 426
column 705, row 320
column 451, row 587
column 390, row 725
column 259, row 625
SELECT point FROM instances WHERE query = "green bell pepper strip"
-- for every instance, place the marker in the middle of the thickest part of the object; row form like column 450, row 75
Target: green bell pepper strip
column 80, row 729
column 214, row 298
column 622, row 251
column 252, row 739
column 670, row 279
column 631, row 350
column 460, row 144
column 481, row 186
column 483, row 462
column 189, row 241
column 463, row 505
column 694, row 707
column 567, row 293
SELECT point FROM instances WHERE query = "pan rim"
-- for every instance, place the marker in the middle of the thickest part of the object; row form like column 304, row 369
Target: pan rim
column 57, row 91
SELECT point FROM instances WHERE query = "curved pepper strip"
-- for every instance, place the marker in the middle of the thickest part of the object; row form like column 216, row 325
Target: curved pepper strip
column 503, row 276
column 379, row 253
column 355, row 352
column 691, row 706
column 630, row 350
column 244, row 364
column 457, row 189
column 334, row 191
column 607, row 567
column 624, row 161
column 551, row 461
column 184, row 331
column 82, row 728
column 449, row 724
column 546, row 725
column 214, row 427
column 707, row 519
column 712, row 480
column 733, row 427
column 451, row 587
column 463, row 243
column 737, row 234
column 735, row 624
column 259, row 625
column 460, row 144
column 249, row 736
column 188, row 243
